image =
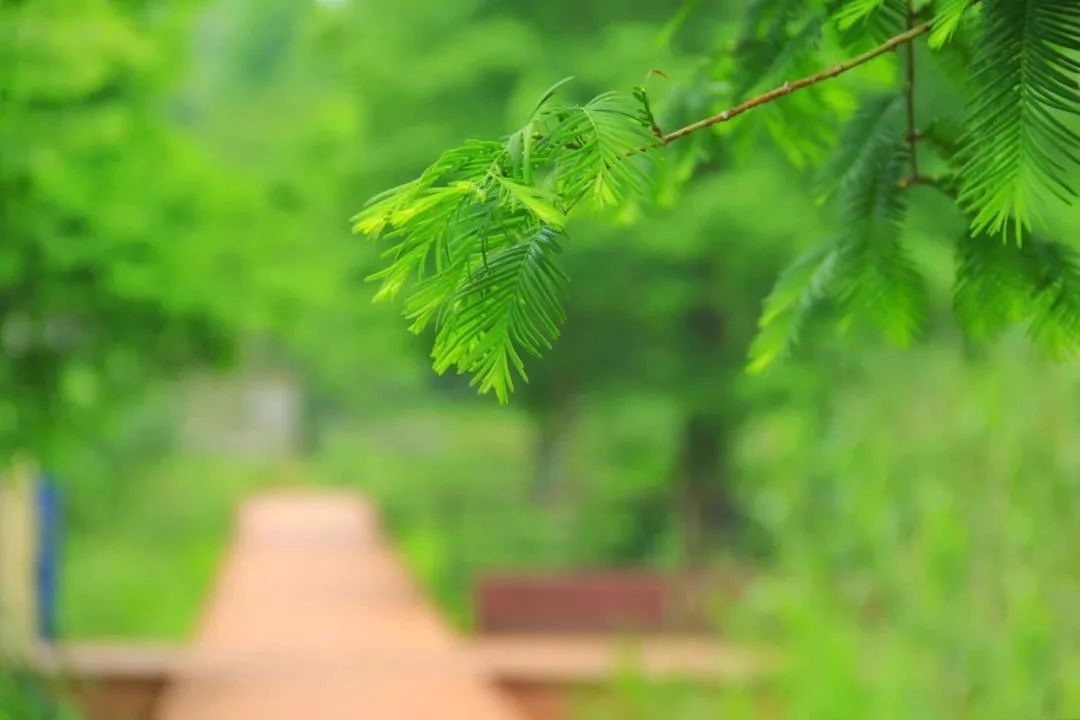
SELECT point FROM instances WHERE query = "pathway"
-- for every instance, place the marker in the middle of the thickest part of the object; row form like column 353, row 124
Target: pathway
column 314, row 619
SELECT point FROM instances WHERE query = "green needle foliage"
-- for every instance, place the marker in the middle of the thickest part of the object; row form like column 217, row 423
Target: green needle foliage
column 857, row 11
column 947, row 20
column 778, row 43
column 474, row 237
column 998, row 284
column 1026, row 69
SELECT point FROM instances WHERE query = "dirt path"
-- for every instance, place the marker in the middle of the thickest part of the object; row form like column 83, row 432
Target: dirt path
column 313, row 619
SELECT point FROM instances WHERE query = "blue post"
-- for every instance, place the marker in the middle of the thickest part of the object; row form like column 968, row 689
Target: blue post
column 48, row 556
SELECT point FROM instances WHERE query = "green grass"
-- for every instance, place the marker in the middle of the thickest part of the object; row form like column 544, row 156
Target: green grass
column 455, row 488
column 453, row 485
column 142, row 568
column 140, row 561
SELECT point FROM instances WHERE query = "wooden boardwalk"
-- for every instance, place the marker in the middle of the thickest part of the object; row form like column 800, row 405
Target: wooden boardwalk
column 314, row 619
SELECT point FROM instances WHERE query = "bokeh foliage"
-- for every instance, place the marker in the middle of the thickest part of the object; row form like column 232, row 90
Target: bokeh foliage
column 175, row 179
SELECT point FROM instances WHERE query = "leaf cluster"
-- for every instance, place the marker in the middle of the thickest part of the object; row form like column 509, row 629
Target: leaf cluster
column 1015, row 151
column 474, row 237
column 474, row 241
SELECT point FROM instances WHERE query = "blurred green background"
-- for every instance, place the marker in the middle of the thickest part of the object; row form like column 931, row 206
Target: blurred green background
column 175, row 183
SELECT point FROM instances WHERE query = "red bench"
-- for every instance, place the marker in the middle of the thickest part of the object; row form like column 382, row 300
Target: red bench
column 608, row 601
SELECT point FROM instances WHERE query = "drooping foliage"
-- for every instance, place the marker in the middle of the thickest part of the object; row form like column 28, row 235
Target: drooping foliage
column 1020, row 143
column 477, row 231
column 1011, row 163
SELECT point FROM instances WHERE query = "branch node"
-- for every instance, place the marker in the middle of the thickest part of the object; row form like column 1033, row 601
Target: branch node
column 917, row 180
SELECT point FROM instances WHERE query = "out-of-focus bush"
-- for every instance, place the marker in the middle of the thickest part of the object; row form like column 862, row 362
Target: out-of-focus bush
column 923, row 530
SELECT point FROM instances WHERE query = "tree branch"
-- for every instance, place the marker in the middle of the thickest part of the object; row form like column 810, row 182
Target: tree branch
column 909, row 93
column 942, row 185
column 913, row 180
column 790, row 87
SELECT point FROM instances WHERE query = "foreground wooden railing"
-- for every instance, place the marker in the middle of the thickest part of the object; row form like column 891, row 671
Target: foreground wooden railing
column 541, row 675
column 313, row 616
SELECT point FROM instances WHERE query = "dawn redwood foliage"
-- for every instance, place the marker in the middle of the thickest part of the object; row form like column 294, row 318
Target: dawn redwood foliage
column 474, row 242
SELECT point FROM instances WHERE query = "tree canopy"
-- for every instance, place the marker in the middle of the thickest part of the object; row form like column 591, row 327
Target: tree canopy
column 475, row 240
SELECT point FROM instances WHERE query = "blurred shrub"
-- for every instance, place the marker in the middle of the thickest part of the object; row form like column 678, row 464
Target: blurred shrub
column 455, row 487
column 923, row 531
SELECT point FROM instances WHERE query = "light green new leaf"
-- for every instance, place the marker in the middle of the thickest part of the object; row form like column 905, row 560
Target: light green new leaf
column 870, row 21
column 537, row 201
column 548, row 94
column 602, row 151
column 511, row 303
column 855, row 11
column 473, row 239
column 946, row 20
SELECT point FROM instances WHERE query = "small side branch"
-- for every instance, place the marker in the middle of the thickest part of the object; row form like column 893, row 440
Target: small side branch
column 790, row 87
column 943, row 185
column 909, row 96
column 913, row 180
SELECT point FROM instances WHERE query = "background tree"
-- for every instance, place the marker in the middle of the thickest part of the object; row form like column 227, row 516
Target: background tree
column 91, row 303
column 194, row 162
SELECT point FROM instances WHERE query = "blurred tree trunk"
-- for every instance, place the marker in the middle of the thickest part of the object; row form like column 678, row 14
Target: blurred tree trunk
column 309, row 420
column 703, row 496
column 556, row 423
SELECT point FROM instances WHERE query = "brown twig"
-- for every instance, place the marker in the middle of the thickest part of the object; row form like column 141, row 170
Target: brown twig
column 790, row 87
column 942, row 184
column 909, row 96
column 917, row 180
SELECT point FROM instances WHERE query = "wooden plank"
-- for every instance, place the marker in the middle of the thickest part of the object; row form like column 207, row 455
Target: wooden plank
column 579, row 660
column 99, row 661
